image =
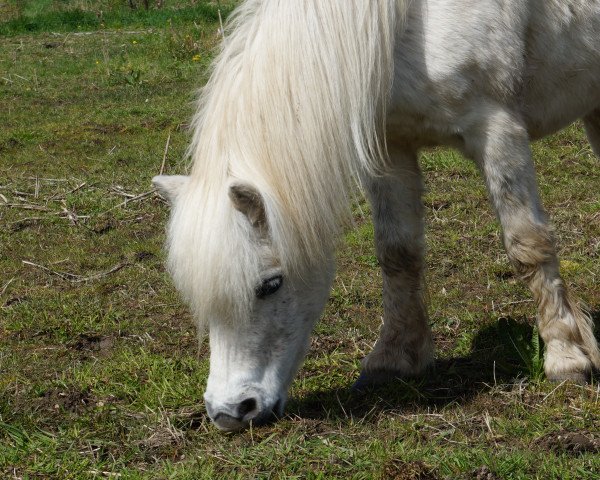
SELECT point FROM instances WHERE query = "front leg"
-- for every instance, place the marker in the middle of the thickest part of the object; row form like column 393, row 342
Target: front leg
column 404, row 347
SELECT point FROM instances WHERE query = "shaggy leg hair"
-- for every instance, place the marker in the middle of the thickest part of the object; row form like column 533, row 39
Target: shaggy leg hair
column 502, row 150
column 405, row 346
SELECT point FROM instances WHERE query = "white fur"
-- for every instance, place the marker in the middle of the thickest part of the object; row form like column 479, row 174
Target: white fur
column 299, row 103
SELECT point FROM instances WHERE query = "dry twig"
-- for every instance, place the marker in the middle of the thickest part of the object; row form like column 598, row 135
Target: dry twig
column 221, row 30
column 77, row 188
column 28, row 206
column 73, row 278
column 6, row 285
column 162, row 166
column 132, row 199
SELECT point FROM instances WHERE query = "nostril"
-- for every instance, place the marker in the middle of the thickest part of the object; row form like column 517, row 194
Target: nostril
column 246, row 407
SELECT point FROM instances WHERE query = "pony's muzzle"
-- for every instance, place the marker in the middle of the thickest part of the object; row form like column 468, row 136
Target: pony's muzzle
column 238, row 416
column 233, row 416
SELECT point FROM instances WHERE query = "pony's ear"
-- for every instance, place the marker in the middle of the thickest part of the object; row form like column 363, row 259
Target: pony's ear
column 249, row 201
column 170, row 186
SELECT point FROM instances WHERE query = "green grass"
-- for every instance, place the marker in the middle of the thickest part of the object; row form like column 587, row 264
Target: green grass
column 100, row 370
column 80, row 16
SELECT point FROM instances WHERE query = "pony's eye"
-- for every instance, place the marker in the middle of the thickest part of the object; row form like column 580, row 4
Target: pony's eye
column 269, row 286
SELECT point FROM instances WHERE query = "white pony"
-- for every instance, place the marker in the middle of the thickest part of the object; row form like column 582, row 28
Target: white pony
column 308, row 95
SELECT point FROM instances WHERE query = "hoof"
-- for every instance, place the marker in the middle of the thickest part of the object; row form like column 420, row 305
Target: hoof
column 363, row 383
column 567, row 362
column 372, row 379
column 580, row 378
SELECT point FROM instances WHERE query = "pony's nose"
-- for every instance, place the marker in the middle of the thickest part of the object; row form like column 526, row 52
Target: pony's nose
column 233, row 417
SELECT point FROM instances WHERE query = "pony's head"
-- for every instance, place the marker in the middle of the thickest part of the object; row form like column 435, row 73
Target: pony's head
column 259, row 314
column 255, row 260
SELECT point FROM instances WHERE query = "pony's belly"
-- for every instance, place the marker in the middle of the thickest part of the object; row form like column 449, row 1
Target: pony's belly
column 541, row 58
column 417, row 130
column 561, row 79
column 547, row 114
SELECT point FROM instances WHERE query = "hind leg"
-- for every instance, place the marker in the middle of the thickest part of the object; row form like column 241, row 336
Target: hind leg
column 592, row 129
column 404, row 347
column 501, row 146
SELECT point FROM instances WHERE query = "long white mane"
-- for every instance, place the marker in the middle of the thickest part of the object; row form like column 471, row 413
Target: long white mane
column 295, row 106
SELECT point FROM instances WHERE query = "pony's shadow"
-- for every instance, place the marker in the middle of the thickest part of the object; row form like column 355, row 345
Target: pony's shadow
column 503, row 353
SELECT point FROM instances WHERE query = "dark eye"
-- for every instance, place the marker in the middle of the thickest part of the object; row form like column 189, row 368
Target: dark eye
column 269, row 286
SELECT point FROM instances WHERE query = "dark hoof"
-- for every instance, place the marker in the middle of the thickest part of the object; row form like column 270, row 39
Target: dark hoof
column 370, row 380
column 580, row 378
column 362, row 384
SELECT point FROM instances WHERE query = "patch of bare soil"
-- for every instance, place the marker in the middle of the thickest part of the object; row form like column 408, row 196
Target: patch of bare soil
column 400, row 470
column 24, row 223
column 92, row 343
column 484, row 473
column 71, row 400
column 163, row 440
column 14, row 301
column 313, row 427
column 102, row 224
column 326, row 344
column 572, row 443
column 190, row 419
column 144, row 255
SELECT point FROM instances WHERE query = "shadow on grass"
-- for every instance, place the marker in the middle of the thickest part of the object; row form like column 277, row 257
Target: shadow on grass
column 502, row 353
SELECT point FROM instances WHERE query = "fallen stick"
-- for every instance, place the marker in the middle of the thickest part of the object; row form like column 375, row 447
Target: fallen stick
column 27, row 206
column 78, row 187
column 27, row 219
column 51, row 180
column 162, row 165
column 6, row 285
column 103, row 32
column 120, row 191
column 73, row 278
column 133, row 199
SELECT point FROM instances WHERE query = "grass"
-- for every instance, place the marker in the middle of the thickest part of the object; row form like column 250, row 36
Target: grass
column 100, row 371
column 81, row 16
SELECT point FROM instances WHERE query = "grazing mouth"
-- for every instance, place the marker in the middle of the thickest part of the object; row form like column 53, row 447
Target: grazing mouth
column 229, row 423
